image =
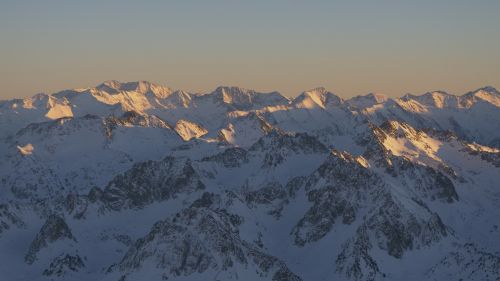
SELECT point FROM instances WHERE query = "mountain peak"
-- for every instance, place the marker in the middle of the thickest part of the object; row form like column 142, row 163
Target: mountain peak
column 438, row 99
column 398, row 129
column 365, row 101
column 222, row 185
column 242, row 98
column 233, row 90
column 317, row 97
column 143, row 87
column 232, row 94
column 488, row 89
column 379, row 98
column 112, row 84
column 180, row 98
column 487, row 94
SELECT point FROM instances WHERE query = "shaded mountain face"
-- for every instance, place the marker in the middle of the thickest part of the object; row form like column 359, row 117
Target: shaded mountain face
column 135, row 181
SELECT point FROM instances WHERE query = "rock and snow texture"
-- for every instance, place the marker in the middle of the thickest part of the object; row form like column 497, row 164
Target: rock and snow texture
column 136, row 181
column 188, row 130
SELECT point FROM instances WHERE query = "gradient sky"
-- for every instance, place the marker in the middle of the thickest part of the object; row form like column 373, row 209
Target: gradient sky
column 349, row 47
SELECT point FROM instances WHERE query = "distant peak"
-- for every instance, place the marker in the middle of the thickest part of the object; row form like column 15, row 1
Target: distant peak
column 378, row 97
column 180, row 98
column 233, row 90
column 143, row 87
column 486, row 94
column 39, row 96
column 486, row 89
column 489, row 89
column 233, row 95
column 437, row 93
column 113, row 84
column 317, row 97
column 366, row 101
column 427, row 94
column 242, row 98
column 230, row 88
column 321, row 90
column 438, row 99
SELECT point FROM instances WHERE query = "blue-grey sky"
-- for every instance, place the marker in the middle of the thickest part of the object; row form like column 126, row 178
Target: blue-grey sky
column 349, row 47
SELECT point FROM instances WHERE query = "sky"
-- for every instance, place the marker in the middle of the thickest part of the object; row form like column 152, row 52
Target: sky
column 351, row 48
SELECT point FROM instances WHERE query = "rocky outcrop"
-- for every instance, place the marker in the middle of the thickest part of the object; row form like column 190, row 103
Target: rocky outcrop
column 355, row 261
column 64, row 264
column 230, row 158
column 467, row 262
column 9, row 218
column 277, row 146
column 202, row 238
column 152, row 181
column 337, row 189
column 340, row 190
column 54, row 229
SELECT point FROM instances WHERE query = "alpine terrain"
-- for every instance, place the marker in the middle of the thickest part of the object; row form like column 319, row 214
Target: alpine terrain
column 136, row 181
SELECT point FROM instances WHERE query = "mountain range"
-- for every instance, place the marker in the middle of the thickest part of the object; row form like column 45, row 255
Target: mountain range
column 136, row 181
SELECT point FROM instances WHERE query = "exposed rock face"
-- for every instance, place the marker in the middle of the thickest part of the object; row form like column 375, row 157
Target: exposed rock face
column 339, row 191
column 244, row 99
column 54, row 229
column 132, row 118
column 202, row 238
column 278, row 146
column 355, row 261
column 432, row 183
column 273, row 194
column 239, row 185
column 230, row 158
column 486, row 154
column 270, row 192
column 336, row 189
column 63, row 264
column 399, row 129
column 467, row 262
column 142, row 87
column 297, row 142
column 152, row 181
column 398, row 230
column 9, row 218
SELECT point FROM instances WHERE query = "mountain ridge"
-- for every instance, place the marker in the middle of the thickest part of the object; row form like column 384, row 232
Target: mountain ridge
column 143, row 182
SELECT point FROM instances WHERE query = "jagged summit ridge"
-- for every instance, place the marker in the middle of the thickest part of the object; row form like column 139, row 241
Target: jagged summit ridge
column 141, row 182
column 143, row 87
column 368, row 100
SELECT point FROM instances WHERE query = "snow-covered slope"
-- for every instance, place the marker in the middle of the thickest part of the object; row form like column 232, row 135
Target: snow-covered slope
column 135, row 181
column 188, row 130
column 472, row 116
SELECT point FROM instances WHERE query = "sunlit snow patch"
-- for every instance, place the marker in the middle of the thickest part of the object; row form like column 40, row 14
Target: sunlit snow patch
column 26, row 150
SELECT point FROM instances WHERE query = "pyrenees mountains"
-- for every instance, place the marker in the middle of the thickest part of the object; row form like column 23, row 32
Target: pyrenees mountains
column 136, row 181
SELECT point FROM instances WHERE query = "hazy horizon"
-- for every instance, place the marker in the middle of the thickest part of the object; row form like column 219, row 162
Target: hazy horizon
column 387, row 47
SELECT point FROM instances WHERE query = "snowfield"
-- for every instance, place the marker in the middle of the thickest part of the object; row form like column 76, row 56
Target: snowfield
column 136, row 181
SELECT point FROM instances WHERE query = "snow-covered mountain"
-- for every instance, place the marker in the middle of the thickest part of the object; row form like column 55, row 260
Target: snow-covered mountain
column 136, row 181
